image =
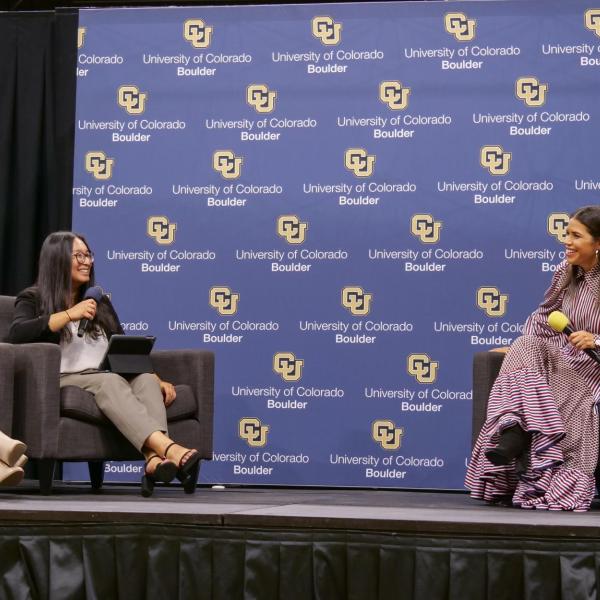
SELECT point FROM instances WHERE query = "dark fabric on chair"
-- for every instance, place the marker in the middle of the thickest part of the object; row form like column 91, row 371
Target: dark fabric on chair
column 67, row 425
column 7, row 366
column 7, row 309
column 486, row 366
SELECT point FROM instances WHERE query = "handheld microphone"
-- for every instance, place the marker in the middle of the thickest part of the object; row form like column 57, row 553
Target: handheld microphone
column 560, row 322
column 94, row 293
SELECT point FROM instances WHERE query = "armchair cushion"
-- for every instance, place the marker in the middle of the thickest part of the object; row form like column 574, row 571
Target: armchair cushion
column 79, row 404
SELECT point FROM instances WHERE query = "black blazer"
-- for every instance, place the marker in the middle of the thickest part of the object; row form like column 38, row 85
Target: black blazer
column 31, row 325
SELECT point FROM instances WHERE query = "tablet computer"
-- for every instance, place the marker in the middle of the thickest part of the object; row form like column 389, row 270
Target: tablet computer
column 128, row 354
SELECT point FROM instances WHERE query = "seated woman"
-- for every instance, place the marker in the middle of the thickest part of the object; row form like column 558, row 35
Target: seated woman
column 12, row 460
column 539, row 444
column 50, row 311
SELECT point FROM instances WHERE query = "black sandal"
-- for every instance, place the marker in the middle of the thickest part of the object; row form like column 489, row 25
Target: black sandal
column 188, row 468
column 165, row 472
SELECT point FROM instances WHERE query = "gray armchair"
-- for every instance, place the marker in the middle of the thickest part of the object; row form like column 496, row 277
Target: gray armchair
column 66, row 425
column 486, row 366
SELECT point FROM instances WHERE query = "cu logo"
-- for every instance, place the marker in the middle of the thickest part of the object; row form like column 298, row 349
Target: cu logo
column 291, row 229
column 495, row 160
column 99, row 165
column 253, row 431
column 359, row 162
column 386, row 434
column 557, row 226
column 490, row 300
column 227, row 164
column 592, row 20
column 80, row 36
column 356, row 300
column 287, row 366
column 422, row 368
column 531, row 91
column 327, row 31
column 223, row 300
column 160, row 230
column 197, row 33
column 394, row 95
column 261, row 98
column 458, row 25
column 131, row 99
column 426, row 228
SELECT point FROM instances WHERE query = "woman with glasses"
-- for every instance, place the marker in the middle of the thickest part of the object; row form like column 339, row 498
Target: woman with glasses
column 50, row 311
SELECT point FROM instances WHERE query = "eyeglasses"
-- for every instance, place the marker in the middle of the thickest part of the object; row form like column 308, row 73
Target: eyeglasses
column 81, row 257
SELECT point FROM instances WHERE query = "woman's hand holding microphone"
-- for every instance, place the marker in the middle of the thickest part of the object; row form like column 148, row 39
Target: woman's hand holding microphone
column 86, row 309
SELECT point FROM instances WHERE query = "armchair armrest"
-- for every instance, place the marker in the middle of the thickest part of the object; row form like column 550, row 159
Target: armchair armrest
column 195, row 368
column 486, row 366
column 37, row 398
column 7, row 365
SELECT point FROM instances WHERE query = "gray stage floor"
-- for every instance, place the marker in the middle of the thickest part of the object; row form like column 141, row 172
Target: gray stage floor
column 365, row 510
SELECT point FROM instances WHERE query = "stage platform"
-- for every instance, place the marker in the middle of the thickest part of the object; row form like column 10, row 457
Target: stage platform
column 289, row 543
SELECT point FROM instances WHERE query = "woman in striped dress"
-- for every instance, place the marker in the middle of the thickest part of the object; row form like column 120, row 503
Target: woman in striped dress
column 539, row 445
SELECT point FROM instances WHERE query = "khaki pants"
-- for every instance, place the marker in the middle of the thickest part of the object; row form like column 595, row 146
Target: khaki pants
column 135, row 407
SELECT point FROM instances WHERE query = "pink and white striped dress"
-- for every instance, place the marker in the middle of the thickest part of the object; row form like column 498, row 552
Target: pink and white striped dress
column 551, row 389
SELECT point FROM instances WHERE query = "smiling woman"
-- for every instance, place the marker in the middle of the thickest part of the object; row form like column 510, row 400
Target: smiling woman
column 63, row 298
column 539, row 445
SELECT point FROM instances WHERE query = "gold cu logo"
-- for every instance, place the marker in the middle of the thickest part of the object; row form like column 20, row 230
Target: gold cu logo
column 386, row 434
column 197, row 33
column 492, row 301
column 458, row 25
column 80, row 36
column 327, row 30
column 288, row 366
column 291, row 229
column 99, row 165
column 356, row 300
column 253, row 431
column 495, row 160
column 131, row 99
column 557, row 226
column 359, row 162
column 531, row 91
column 223, row 300
column 161, row 230
column 422, row 368
column 394, row 95
column 426, row 228
column 228, row 164
column 261, row 98
column 592, row 20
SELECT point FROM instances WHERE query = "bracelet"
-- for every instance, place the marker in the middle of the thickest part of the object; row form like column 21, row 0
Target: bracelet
column 68, row 315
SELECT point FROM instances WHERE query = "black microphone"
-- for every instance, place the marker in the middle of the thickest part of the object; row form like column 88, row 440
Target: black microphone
column 560, row 322
column 94, row 293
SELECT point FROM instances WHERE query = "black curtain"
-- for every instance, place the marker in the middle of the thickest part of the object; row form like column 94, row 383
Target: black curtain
column 38, row 53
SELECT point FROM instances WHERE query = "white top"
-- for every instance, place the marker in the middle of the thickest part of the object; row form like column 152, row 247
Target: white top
column 81, row 353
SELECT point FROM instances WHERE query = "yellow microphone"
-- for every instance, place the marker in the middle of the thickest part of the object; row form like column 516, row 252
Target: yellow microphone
column 560, row 322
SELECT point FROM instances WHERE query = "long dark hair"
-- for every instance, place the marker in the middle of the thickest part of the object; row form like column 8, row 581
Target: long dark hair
column 54, row 282
column 589, row 217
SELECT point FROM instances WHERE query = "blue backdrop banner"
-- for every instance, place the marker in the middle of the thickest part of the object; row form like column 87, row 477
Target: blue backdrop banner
column 344, row 202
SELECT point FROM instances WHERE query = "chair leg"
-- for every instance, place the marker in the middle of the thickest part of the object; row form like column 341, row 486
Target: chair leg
column 96, row 468
column 45, row 468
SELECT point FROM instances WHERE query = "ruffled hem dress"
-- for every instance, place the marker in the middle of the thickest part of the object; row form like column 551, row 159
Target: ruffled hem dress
column 551, row 389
